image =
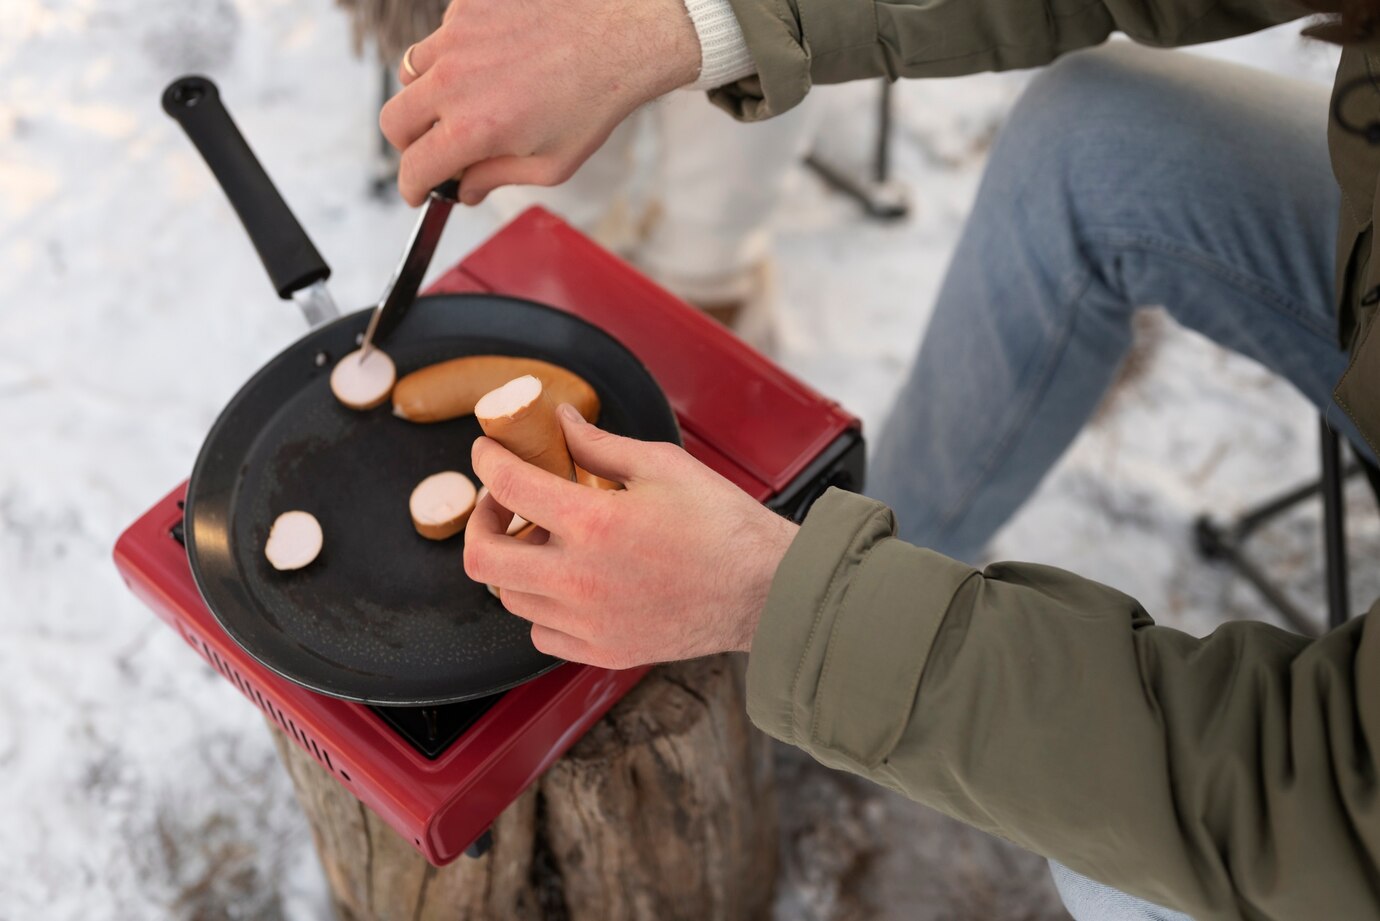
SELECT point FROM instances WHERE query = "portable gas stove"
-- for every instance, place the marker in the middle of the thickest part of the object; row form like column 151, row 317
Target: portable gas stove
column 440, row 775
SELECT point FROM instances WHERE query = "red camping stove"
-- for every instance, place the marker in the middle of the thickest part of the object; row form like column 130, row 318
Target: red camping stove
column 441, row 775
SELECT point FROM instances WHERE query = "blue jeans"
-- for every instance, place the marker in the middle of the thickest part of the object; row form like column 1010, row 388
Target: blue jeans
column 1124, row 178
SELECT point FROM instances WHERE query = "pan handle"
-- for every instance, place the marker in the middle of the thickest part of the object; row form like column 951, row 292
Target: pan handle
column 284, row 247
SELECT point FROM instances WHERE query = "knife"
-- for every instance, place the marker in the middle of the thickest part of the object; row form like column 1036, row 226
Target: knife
column 407, row 277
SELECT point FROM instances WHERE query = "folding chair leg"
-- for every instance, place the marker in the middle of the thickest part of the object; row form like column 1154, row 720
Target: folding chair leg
column 1227, row 542
column 878, row 195
column 1334, row 528
column 1226, row 545
column 386, row 158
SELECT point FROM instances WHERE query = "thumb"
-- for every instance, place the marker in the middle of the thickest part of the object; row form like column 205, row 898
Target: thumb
column 602, row 453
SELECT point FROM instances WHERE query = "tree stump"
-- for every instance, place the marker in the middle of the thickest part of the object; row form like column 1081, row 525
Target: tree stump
column 664, row 810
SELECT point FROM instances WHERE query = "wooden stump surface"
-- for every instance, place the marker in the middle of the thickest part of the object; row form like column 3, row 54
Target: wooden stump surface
column 664, row 810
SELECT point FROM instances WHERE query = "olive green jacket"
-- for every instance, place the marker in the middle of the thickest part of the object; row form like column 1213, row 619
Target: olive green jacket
column 1232, row 777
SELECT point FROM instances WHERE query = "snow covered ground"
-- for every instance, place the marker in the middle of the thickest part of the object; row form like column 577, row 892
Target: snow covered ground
column 133, row 782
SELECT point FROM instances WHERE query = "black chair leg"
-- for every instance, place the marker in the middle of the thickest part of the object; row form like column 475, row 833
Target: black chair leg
column 386, row 162
column 1227, row 543
column 879, row 196
column 1334, row 528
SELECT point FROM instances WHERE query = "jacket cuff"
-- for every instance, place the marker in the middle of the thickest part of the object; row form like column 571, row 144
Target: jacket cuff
column 796, row 43
column 848, row 626
column 772, row 32
column 724, row 55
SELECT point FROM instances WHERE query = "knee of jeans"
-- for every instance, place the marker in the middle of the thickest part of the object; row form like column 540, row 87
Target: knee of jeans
column 1085, row 77
column 1074, row 110
column 1096, row 82
column 1072, row 90
column 1074, row 151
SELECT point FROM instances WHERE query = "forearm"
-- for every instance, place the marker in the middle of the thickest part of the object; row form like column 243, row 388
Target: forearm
column 1208, row 775
column 798, row 43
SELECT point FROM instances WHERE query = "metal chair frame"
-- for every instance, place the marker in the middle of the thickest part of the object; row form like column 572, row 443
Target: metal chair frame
column 879, row 196
column 1226, row 543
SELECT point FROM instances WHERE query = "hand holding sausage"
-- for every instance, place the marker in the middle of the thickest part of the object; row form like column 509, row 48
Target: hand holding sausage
column 676, row 565
column 523, row 91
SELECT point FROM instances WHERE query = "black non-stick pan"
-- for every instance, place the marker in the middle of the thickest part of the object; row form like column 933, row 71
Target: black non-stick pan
column 383, row 615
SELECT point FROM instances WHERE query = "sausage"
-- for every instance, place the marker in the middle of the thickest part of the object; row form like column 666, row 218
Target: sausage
column 441, row 504
column 521, row 416
column 585, row 478
column 451, row 389
column 363, row 384
column 294, row 540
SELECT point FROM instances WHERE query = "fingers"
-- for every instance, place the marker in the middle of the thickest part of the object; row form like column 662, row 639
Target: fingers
column 409, row 114
column 494, row 558
column 433, row 158
column 604, row 454
column 533, row 493
column 406, row 76
column 573, row 649
column 482, row 178
column 564, row 646
column 492, row 517
column 534, row 535
column 541, row 610
column 421, row 56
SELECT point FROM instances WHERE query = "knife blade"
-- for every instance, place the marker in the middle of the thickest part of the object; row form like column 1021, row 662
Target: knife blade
column 407, row 277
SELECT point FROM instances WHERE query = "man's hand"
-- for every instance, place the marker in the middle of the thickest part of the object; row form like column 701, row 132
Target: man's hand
column 523, row 91
column 676, row 565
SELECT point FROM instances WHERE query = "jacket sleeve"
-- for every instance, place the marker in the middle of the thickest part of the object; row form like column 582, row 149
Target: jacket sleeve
column 796, row 43
column 1228, row 777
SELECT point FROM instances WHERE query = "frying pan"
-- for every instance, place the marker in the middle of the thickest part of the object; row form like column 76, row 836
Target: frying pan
column 383, row 616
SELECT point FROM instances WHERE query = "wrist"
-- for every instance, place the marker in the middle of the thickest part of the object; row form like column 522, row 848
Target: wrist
column 674, row 60
column 771, row 550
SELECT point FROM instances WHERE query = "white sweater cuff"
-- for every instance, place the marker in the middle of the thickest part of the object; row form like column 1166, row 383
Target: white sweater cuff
column 723, row 50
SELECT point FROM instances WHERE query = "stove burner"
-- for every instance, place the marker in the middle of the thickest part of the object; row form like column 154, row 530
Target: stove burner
column 431, row 730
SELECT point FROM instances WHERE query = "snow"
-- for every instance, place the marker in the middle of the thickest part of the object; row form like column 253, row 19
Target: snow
column 136, row 784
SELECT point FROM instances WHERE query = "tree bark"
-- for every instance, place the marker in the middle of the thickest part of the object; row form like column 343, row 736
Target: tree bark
column 664, row 810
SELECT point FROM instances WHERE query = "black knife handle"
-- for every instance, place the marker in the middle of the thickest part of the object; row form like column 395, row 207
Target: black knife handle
column 449, row 190
column 284, row 247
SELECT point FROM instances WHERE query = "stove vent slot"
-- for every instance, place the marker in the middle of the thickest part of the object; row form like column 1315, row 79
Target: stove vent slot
column 263, row 702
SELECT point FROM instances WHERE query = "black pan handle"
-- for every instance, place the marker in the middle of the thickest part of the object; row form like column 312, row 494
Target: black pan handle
column 284, row 247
